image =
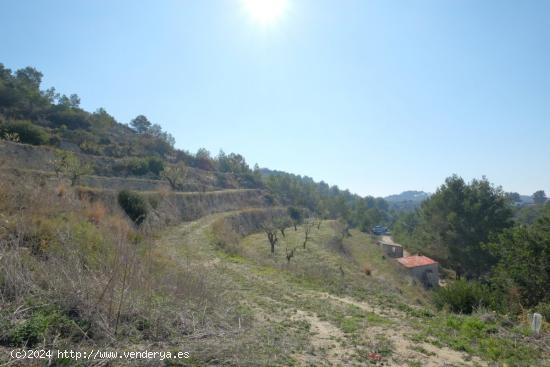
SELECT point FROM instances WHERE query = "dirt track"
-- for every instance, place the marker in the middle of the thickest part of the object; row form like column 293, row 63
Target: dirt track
column 389, row 239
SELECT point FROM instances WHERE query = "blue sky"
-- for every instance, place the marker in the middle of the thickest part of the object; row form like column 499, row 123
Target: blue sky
column 374, row 96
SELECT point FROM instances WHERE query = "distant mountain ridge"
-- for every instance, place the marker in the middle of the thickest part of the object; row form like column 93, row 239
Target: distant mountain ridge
column 407, row 201
column 526, row 199
column 412, row 198
column 410, row 195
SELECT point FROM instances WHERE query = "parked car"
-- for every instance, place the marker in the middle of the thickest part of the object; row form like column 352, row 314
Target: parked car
column 380, row 230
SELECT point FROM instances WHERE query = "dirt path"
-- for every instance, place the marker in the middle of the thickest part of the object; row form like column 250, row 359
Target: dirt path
column 405, row 350
column 389, row 240
column 327, row 344
column 189, row 242
column 390, row 313
column 325, row 339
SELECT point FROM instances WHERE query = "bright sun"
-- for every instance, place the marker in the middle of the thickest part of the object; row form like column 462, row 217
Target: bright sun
column 265, row 12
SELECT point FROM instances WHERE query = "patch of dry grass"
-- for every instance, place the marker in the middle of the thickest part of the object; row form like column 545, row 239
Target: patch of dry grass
column 63, row 250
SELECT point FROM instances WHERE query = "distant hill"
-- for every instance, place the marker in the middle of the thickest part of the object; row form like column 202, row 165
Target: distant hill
column 411, row 199
column 407, row 200
column 411, row 195
column 526, row 199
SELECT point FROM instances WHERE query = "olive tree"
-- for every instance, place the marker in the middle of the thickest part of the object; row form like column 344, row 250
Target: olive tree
column 68, row 165
column 175, row 175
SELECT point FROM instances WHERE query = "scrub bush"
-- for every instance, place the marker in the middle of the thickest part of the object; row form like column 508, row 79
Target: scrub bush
column 463, row 296
column 134, row 205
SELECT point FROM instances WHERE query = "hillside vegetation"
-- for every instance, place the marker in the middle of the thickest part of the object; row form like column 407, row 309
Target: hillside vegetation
column 112, row 239
column 212, row 286
column 473, row 229
column 31, row 115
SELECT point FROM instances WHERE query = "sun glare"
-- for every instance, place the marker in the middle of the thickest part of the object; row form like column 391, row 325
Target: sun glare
column 265, row 12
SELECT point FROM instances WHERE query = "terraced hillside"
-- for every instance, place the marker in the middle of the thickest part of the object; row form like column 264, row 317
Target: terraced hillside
column 321, row 309
column 198, row 276
column 108, row 172
column 202, row 193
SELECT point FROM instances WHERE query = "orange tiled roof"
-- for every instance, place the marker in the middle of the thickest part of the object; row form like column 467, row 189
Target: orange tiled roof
column 415, row 261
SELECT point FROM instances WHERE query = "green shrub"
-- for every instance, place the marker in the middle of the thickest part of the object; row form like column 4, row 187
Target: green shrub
column 55, row 140
column 137, row 166
column 155, row 165
column 143, row 166
column 72, row 118
column 480, row 337
column 544, row 309
column 28, row 132
column 91, row 147
column 462, row 296
column 248, row 180
column 221, row 179
column 42, row 324
column 134, row 205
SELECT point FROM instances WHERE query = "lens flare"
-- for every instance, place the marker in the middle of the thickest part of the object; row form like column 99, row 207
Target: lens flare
column 265, row 12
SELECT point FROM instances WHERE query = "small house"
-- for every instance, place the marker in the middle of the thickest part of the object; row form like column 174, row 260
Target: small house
column 422, row 268
column 391, row 249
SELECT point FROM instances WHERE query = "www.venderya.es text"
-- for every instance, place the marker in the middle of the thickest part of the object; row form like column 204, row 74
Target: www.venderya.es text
column 94, row 354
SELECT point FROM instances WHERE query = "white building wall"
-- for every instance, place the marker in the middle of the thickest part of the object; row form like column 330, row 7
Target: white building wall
column 419, row 272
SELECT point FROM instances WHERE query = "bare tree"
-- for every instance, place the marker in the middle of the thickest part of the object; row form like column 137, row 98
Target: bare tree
column 282, row 223
column 289, row 254
column 346, row 232
column 296, row 216
column 271, row 233
column 308, row 226
column 68, row 165
column 175, row 175
column 343, row 228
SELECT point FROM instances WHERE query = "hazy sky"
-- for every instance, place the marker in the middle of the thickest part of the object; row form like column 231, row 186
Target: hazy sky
column 374, row 96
